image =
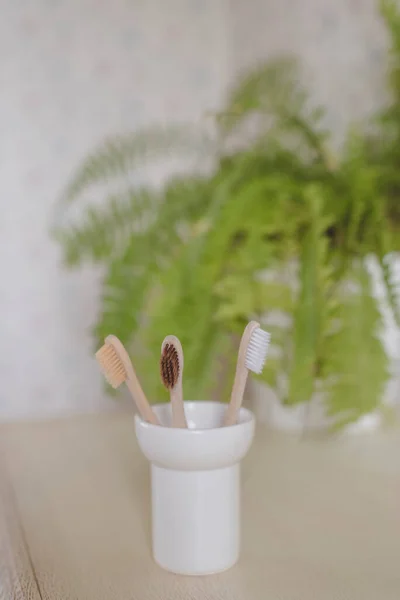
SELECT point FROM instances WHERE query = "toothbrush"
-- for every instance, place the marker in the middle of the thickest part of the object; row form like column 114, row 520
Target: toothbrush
column 117, row 368
column 252, row 354
column 171, row 369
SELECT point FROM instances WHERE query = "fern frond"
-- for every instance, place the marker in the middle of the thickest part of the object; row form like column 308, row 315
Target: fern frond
column 356, row 369
column 186, row 301
column 133, row 292
column 182, row 306
column 391, row 15
column 120, row 155
column 104, row 231
column 310, row 311
column 268, row 88
column 125, row 289
column 392, row 286
column 273, row 91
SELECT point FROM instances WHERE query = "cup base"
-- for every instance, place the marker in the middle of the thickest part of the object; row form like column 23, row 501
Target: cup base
column 194, row 573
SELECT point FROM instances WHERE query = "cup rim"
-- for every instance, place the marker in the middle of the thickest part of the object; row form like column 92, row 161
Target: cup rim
column 248, row 415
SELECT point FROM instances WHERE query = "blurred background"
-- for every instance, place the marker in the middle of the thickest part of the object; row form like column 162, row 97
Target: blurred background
column 90, row 90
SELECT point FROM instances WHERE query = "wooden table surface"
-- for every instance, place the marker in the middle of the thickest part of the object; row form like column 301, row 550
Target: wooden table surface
column 321, row 518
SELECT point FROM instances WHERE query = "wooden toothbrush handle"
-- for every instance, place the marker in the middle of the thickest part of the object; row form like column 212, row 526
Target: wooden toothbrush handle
column 241, row 374
column 177, row 406
column 140, row 399
column 235, row 403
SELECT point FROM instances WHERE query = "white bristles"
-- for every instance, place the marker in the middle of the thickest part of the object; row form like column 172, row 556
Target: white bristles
column 111, row 365
column 257, row 350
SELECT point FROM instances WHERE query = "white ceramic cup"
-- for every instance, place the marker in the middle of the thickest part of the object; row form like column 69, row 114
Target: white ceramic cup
column 195, row 485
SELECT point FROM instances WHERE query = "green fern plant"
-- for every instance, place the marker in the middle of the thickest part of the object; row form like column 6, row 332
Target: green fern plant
column 279, row 230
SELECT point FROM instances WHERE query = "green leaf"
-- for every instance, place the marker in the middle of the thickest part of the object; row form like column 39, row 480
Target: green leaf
column 137, row 269
column 391, row 16
column 121, row 154
column 184, row 303
column 310, row 314
column 356, row 369
column 269, row 87
column 103, row 231
column 270, row 372
column 242, row 297
column 124, row 293
column 273, row 90
column 392, row 286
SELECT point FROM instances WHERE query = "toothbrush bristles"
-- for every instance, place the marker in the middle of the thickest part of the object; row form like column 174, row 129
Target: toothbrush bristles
column 257, row 350
column 111, row 365
column 169, row 366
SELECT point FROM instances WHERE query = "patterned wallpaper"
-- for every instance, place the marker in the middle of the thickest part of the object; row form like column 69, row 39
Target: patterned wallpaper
column 73, row 71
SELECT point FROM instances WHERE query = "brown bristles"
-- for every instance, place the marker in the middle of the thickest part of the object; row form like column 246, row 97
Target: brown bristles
column 111, row 365
column 169, row 366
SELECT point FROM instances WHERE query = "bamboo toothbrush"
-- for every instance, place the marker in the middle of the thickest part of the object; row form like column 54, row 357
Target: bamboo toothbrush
column 117, row 368
column 253, row 351
column 171, row 369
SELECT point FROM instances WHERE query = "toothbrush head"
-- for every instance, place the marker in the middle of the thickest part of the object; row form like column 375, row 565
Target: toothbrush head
column 110, row 359
column 257, row 349
column 117, row 368
column 169, row 366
